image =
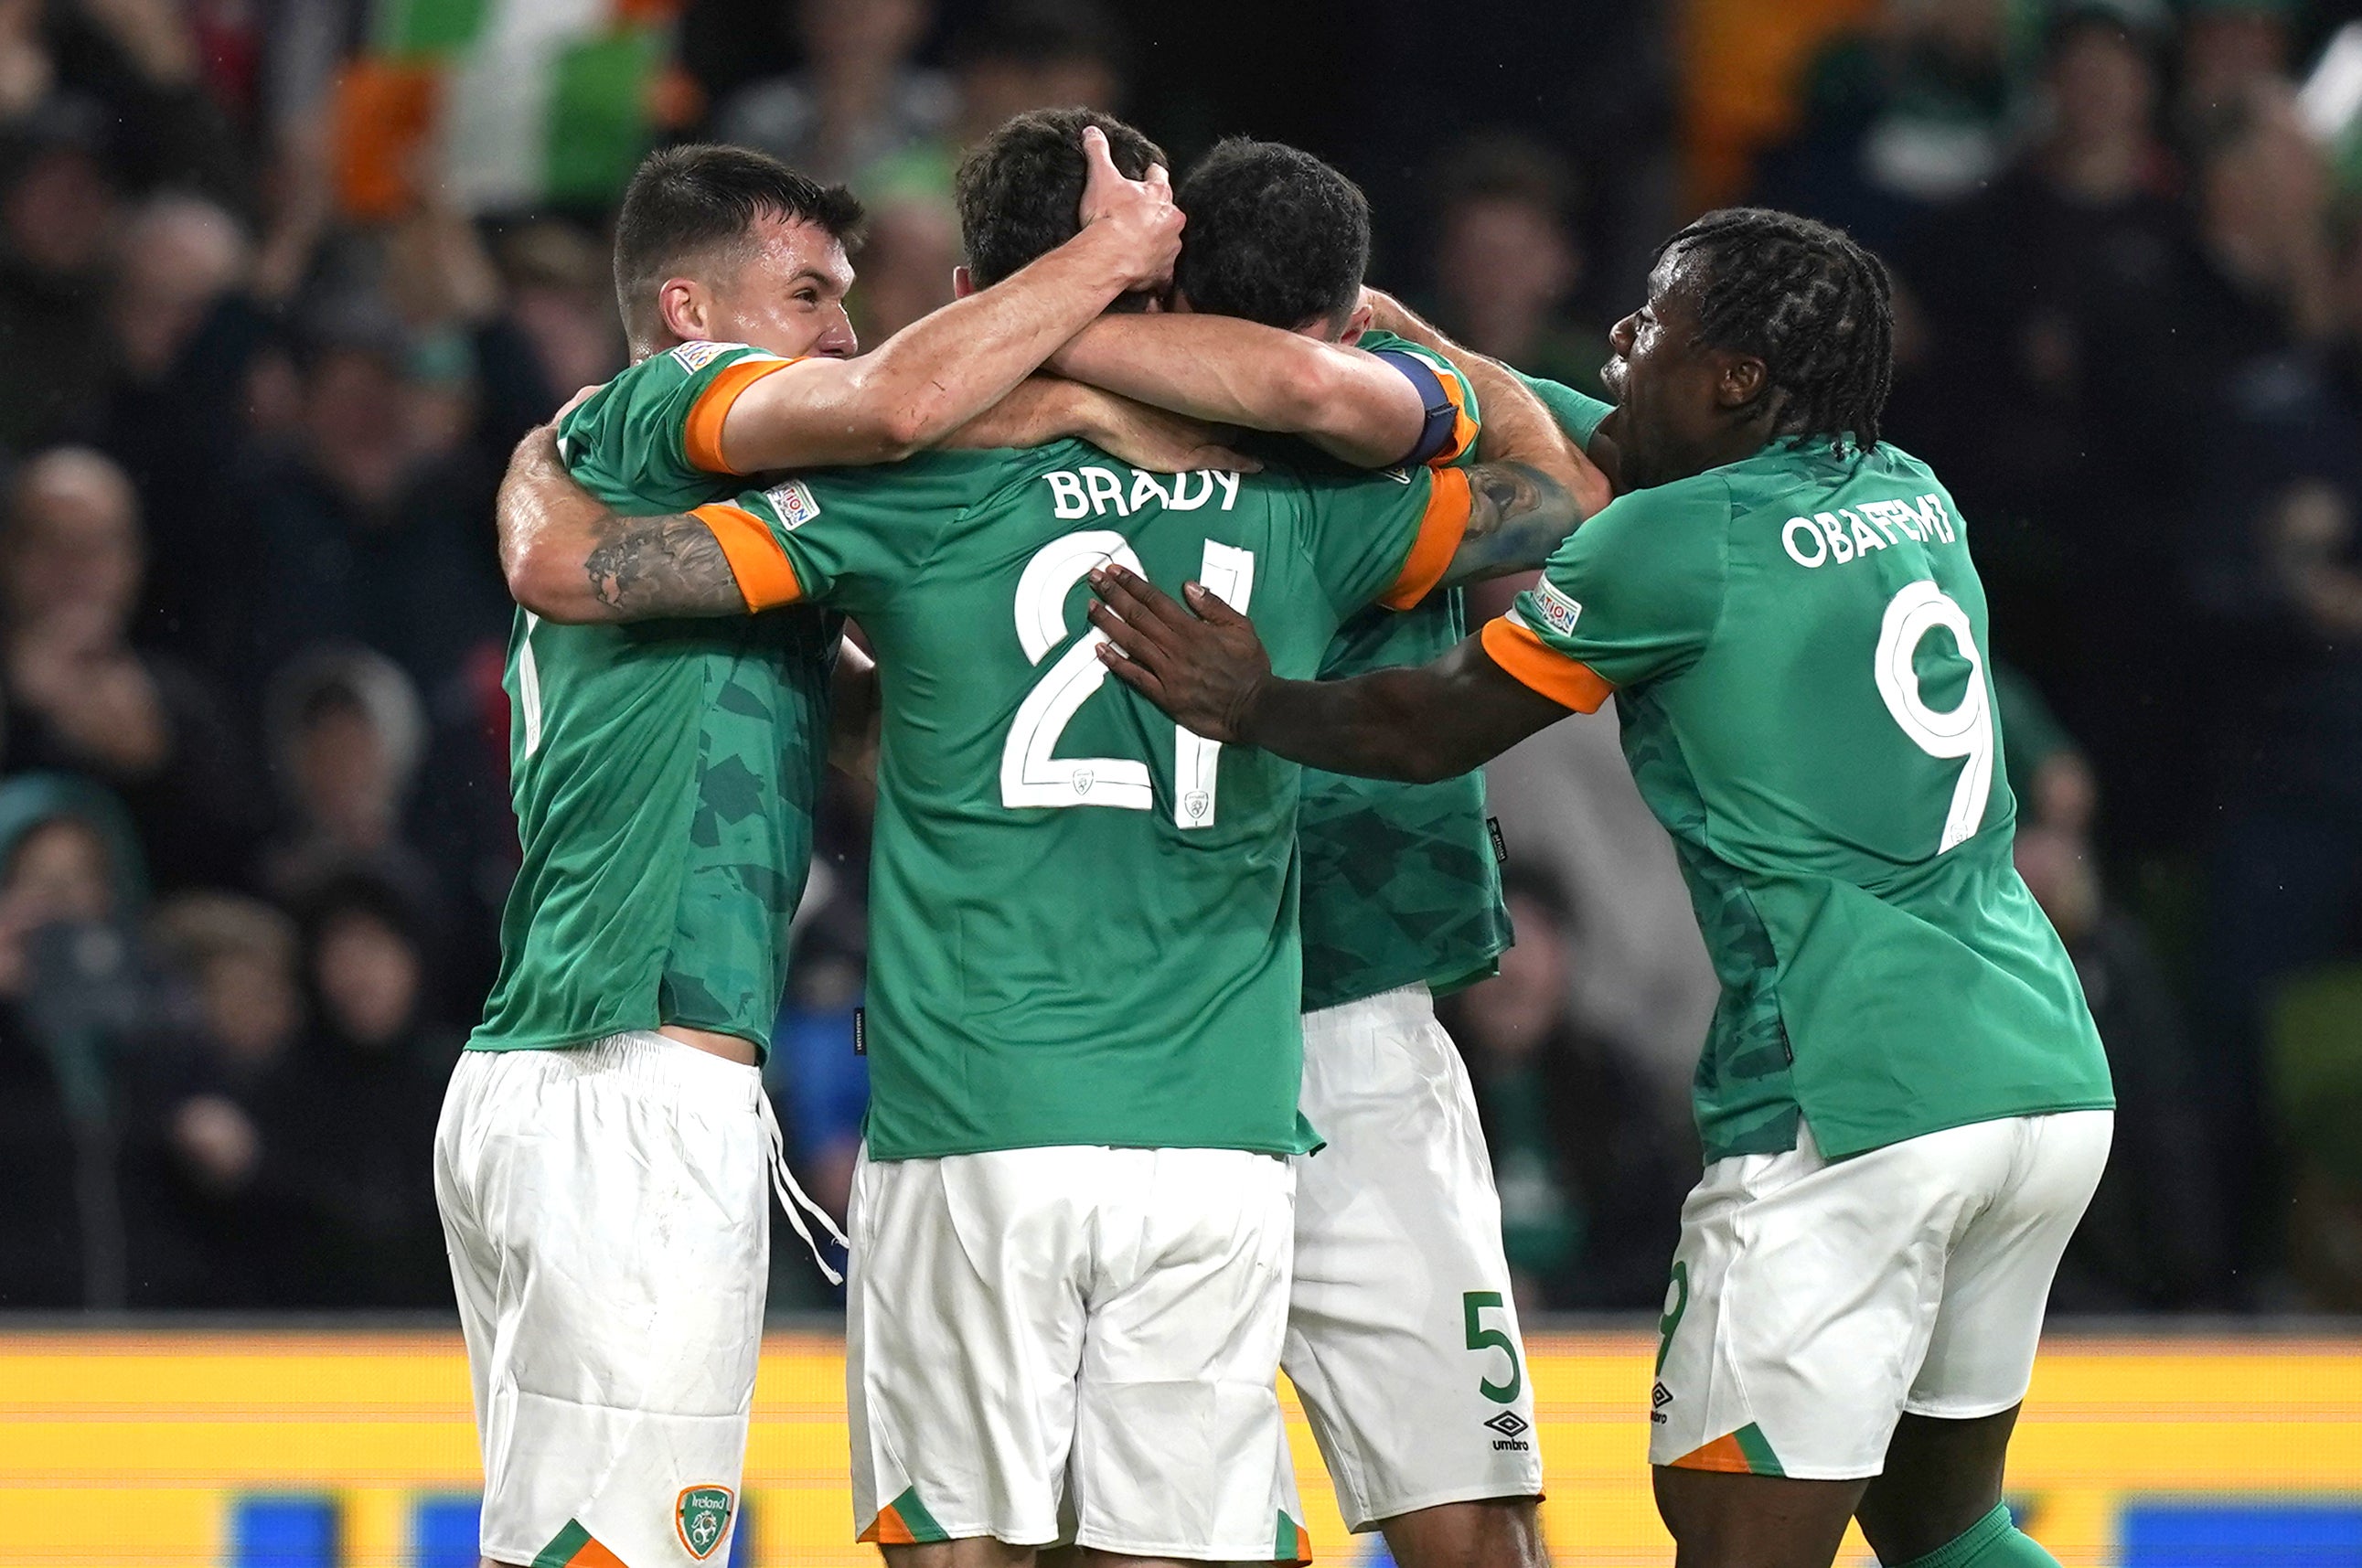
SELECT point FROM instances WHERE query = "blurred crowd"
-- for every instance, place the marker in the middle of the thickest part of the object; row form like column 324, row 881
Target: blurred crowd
column 281, row 282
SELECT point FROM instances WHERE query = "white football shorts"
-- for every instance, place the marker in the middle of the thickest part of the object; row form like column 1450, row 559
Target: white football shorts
column 1815, row 1302
column 604, row 1208
column 1402, row 1337
column 1073, row 1343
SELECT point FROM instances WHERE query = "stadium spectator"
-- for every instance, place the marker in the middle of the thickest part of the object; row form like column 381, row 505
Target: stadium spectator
column 185, row 326
column 1591, row 1168
column 2278, row 567
column 358, row 539
column 353, row 1111
column 1507, row 261
column 2052, row 304
column 1916, row 113
column 2263, row 194
column 858, row 98
column 76, row 995
column 561, row 296
column 348, row 734
column 205, row 1190
column 58, row 206
column 2230, row 51
column 81, row 699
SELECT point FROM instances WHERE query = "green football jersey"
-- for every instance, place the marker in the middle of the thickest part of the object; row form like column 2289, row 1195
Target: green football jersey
column 663, row 773
column 1578, row 413
column 1797, row 647
column 1083, row 918
column 1400, row 881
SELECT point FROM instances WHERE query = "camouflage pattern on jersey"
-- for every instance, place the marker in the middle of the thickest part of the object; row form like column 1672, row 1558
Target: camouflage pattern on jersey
column 663, row 773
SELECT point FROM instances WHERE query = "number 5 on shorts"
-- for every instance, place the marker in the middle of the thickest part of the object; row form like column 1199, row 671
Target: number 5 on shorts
column 1481, row 1338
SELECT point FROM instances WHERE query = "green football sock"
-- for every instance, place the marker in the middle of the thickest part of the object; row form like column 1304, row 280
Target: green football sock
column 1992, row 1542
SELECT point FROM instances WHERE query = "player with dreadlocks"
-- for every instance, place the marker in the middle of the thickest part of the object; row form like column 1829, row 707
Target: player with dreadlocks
column 1903, row 1100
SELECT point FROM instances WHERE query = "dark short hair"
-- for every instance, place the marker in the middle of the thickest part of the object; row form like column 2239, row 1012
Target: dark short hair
column 1273, row 235
column 700, row 201
column 1809, row 301
column 1020, row 192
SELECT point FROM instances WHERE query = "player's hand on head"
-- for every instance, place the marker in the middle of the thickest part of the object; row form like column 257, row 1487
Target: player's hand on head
column 1203, row 664
column 1139, row 212
column 1166, row 443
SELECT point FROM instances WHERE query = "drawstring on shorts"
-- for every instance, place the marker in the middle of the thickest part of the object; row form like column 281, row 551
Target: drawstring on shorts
column 792, row 1196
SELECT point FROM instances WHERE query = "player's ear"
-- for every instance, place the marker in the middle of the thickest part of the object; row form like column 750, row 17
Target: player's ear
column 962, row 281
column 1742, row 382
column 685, row 308
column 1359, row 321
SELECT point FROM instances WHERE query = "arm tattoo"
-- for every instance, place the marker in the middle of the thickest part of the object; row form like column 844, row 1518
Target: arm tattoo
column 1516, row 517
column 671, row 565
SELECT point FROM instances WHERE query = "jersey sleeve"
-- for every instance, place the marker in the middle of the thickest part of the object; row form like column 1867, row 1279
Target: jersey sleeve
column 846, row 537
column 1385, row 537
column 1632, row 595
column 1578, row 413
column 663, row 427
column 1453, row 421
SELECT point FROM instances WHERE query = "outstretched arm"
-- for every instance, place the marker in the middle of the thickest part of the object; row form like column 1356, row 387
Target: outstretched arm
column 1350, row 404
column 1206, row 667
column 942, row 370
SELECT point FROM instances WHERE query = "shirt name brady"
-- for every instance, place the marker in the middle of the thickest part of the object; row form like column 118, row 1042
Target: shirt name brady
column 1089, row 492
column 1851, row 531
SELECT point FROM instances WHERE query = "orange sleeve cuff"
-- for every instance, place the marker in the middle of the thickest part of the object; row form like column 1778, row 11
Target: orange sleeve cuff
column 701, row 438
column 1463, row 429
column 1532, row 662
column 764, row 574
column 1439, row 528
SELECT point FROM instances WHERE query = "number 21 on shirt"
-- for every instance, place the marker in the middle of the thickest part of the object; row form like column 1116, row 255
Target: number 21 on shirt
column 1031, row 774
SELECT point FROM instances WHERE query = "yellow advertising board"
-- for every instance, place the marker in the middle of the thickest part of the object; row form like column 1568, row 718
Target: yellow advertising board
column 356, row 1450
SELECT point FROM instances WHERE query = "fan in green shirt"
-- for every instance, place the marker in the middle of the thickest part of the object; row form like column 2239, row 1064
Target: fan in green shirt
column 1787, row 613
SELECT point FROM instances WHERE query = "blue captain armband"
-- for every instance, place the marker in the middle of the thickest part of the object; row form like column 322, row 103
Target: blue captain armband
column 1437, row 436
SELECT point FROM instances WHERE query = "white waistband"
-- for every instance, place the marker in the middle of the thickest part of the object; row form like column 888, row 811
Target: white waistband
column 1403, row 1002
column 655, row 1058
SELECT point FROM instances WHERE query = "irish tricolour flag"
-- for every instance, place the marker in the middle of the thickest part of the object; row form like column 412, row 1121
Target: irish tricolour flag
column 504, row 103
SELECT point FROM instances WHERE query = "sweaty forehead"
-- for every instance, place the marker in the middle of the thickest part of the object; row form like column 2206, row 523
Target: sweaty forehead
column 1676, row 278
column 785, row 246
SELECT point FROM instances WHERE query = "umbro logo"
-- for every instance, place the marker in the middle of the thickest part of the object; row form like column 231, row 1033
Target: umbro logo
column 1512, row 1428
column 1660, row 1396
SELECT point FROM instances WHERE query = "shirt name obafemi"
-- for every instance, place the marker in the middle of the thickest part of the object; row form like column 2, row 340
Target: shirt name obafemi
column 1852, row 532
